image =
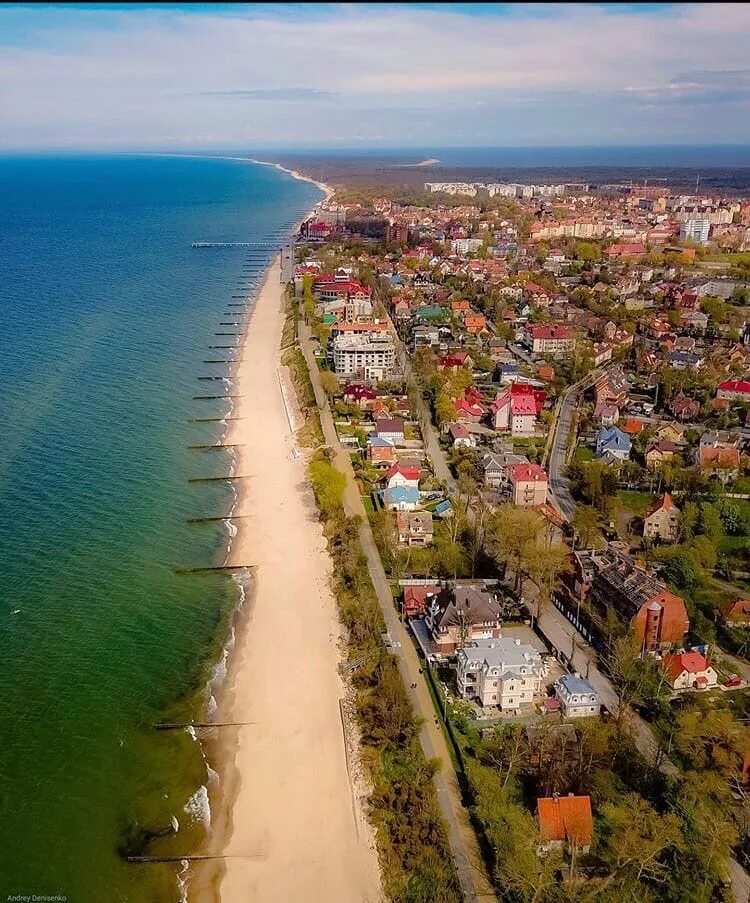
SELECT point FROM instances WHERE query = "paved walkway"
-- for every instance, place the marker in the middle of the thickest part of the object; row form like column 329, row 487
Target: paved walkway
column 475, row 883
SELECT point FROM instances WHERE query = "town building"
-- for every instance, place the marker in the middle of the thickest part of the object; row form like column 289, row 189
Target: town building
column 528, row 485
column 565, row 821
column 369, row 356
column 736, row 613
column 554, row 339
column 661, row 520
column 613, row 444
column 689, row 671
column 657, row 616
column 414, row 528
column 501, row 672
column 457, row 615
column 578, row 699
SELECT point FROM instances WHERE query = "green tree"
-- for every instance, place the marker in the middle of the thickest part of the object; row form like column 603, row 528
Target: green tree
column 586, row 526
column 329, row 383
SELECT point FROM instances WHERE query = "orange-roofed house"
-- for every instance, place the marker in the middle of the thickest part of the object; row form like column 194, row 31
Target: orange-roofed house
column 723, row 461
column 475, row 323
column 661, row 621
column 632, row 426
column 689, row 671
column 737, row 613
column 460, row 307
column 565, row 821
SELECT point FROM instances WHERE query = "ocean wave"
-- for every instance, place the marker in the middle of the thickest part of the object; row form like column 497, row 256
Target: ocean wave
column 199, row 808
column 183, row 880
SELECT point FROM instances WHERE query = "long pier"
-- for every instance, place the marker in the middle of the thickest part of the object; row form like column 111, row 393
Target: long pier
column 255, row 245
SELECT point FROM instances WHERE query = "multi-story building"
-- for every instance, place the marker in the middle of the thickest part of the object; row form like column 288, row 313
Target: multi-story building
column 662, row 520
column 366, row 355
column 657, row 616
column 457, row 615
column 528, row 485
column 578, row 699
column 550, row 339
column 502, row 672
column 696, row 229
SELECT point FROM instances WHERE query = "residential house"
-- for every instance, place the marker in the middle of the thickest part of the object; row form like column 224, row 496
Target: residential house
column 414, row 527
column 658, row 453
column 401, row 498
column 721, row 460
column 391, row 428
column 500, row 672
column 607, row 414
column 461, row 437
column 685, row 360
column 689, row 671
column 402, row 474
column 460, row 614
column 578, row 699
column 612, row 388
column 662, row 520
column 684, row 408
column 468, row 412
column 475, row 323
column 565, row 821
column 613, row 444
column 528, row 485
column 736, row 613
column 380, row 452
column 496, row 468
column 552, row 339
column 414, row 602
column 734, row 390
column 670, row 432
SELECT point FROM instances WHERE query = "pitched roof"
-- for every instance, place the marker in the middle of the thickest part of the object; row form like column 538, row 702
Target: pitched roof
column 523, row 404
column 692, row 662
column 460, row 604
column 735, row 385
column 566, row 818
column 665, row 502
column 409, row 473
column 526, row 473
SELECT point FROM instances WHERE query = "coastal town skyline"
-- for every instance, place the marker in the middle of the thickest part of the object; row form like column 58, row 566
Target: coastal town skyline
column 132, row 76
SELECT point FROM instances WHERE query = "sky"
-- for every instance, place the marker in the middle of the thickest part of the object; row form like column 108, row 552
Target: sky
column 202, row 76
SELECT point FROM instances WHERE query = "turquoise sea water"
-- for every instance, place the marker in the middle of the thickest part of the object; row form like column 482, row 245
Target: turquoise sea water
column 106, row 315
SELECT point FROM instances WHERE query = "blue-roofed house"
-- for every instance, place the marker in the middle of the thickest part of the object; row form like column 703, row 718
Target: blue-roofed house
column 612, row 444
column 401, row 498
column 578, row 698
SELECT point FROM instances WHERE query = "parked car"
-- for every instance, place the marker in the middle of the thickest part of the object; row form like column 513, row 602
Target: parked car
column 733, row 682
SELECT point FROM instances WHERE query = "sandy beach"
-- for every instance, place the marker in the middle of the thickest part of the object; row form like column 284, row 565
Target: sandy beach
column 291, row 815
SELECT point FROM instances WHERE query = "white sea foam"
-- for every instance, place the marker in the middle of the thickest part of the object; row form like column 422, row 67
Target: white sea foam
column 183, row 880
column 198, row 807
column 191, row 730
column 231, row 528
column 175, row 824
column 213, row 776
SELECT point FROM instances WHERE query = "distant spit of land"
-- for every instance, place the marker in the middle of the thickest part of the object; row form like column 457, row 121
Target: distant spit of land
column 393, row 172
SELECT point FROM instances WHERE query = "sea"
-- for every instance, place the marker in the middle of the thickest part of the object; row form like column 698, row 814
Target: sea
column 107, row 315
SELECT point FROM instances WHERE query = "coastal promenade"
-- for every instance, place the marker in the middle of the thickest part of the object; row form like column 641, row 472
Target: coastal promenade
column 290, row 823
column 472, row 875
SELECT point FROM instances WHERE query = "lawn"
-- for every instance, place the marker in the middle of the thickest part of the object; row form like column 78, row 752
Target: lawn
column 635, row 501
column 583, row 454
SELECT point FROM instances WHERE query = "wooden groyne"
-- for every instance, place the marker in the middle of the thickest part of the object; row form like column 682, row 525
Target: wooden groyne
column 222, row 347
column 214, row 397
column 218, row 569
column 217, row 445
column 176, row 726
column 145, row 860
column 227, row 479
column 213, row 520
column 210, row 378
column 213, row 419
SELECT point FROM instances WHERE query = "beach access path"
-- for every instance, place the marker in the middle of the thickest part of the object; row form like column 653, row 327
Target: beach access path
column 292, row 826
column 472, row 874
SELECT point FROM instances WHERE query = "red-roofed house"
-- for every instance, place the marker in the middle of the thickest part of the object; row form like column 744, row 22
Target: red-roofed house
column 550, row 339
column 565, row 820
column 467, row 412
column 734, row 390
column 461, row 437
column 523, row 414
column 475, row 323
column 414, row 599
column 737, row 613
column 725, row 462
column 402, row 475
column 661, row 621
column 689, row 670
column 625, row 249
column 528, row 485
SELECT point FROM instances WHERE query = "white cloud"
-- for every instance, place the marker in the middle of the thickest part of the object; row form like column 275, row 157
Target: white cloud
column 81, row 77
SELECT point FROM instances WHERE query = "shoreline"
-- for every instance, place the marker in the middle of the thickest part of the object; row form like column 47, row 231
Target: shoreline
column 285, row 847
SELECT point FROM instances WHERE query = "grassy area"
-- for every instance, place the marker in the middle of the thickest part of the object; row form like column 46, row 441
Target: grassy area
column 583, row 454
column 310, row 434
column 635, row 501
column 415, row 859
